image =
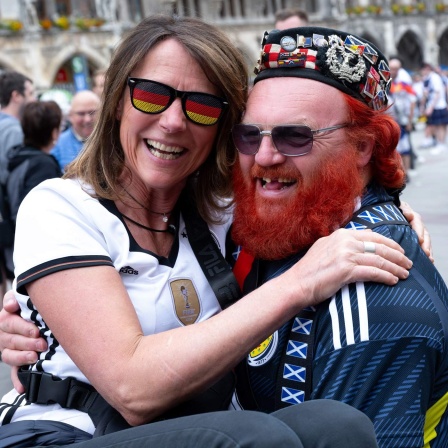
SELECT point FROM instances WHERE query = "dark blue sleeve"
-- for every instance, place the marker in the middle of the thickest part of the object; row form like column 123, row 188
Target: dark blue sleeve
column 384, row 350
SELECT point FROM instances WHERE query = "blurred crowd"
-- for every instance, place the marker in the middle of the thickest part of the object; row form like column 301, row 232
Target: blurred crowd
column 419, row 103
column 39, row 136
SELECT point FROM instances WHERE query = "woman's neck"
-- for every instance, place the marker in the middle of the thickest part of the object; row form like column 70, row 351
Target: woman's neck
column 159, row 202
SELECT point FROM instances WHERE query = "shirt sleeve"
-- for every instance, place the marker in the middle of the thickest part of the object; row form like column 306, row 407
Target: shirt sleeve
column 382, row 349
column 58, row 227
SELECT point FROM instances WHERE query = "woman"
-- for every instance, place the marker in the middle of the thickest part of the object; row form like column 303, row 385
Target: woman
column 116, row 224
column 32, row 163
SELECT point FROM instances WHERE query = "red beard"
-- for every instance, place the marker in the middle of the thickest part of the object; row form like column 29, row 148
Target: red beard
column 272, row 229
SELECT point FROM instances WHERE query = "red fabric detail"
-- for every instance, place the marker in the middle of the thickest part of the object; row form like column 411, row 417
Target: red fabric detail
column 275, row 56
column 397, row 86
column 242, row 267
column 203, row 109
column 151, row 97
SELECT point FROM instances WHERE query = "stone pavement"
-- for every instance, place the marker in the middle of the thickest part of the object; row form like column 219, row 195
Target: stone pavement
column 427, row 192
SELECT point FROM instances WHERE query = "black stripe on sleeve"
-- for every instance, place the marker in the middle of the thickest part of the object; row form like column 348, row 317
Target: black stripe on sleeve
column 60, row 264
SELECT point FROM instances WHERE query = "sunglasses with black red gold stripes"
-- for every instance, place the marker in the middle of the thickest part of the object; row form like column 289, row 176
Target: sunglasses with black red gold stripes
column 152, row 97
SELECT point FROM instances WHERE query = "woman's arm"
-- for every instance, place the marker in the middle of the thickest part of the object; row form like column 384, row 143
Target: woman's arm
column 143, row 376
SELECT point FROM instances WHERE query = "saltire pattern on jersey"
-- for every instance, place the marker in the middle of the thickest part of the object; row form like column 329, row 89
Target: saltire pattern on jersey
column 376, row 216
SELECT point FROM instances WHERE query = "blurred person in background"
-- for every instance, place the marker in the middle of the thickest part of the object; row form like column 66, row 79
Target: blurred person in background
column 31, row 163
column 290, row 17
column 434, row 109
column 98, row 81
column 403, row 100
column 64, row 99
column 418, row 88
column 82, row 117
column 16, row 90
column 443, row 74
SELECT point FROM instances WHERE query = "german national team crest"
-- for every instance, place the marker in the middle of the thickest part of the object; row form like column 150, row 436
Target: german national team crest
column 263, row 353
column 186, row 301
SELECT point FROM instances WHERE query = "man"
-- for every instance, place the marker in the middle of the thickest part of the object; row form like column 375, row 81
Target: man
column 16, row 90
column 290, row 17
column 83, row 109
column 98, row 81
column 316, row 145
column 404, row 100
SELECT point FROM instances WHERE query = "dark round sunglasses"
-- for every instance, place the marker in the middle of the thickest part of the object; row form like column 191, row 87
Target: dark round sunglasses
column 152, row 97
column 290, row 140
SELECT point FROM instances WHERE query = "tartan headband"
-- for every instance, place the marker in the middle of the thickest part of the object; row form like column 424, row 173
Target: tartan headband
column 344, row 61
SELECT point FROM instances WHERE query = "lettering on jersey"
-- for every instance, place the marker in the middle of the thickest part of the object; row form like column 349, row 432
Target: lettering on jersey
column 128, row 270
column 186, row 301
column 263, row 353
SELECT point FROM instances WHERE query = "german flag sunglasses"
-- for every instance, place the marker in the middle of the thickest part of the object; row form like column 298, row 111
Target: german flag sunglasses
column 152, row 97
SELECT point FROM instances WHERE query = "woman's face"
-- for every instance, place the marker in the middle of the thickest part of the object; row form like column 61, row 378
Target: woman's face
column 163, row 149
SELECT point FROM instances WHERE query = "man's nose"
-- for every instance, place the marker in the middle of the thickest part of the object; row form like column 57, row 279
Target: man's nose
column 267, row 154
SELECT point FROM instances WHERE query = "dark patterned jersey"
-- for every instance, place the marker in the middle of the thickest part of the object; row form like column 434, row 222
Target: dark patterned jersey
column 382, row 349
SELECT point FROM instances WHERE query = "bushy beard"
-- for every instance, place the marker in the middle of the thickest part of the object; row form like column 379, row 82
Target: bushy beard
column 273, row 229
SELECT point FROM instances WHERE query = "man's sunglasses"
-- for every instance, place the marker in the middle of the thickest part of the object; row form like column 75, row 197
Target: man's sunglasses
column 152, row 97
column 289, row 140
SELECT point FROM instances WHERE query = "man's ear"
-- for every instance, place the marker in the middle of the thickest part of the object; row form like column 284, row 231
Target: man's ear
column 16, row 96
column 365, row 150
column 55, row 134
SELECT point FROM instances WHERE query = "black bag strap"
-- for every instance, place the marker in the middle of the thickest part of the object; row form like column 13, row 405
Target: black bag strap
column 294, row 377
column 44, row 388
column 217, row 271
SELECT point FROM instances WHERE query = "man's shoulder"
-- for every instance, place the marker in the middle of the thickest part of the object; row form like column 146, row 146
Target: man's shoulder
column 9, row 122
column 7, row 117
column 66, row 135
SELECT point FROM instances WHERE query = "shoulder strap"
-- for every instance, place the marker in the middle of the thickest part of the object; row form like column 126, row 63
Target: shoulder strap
column 294, row 376
column 216, row 269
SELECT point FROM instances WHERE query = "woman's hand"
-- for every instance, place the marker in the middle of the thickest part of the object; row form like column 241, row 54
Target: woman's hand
column 348, row 256
column 19, row 340
column 418, row 226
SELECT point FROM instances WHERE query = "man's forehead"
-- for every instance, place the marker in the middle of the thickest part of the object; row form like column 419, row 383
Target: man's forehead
column 87, row 105
column 290, row 99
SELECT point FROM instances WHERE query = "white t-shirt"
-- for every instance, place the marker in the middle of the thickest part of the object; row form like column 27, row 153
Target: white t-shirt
column 436, row 86
column 60, row 226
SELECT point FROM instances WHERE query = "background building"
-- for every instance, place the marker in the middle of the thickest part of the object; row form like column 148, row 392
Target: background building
column 60, row 43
